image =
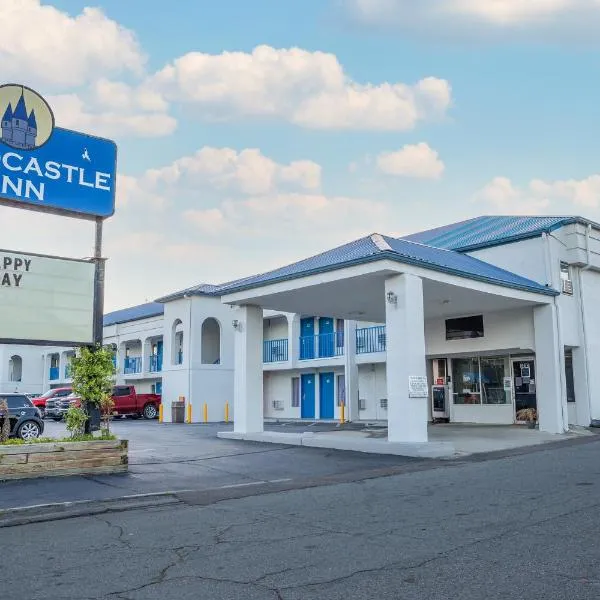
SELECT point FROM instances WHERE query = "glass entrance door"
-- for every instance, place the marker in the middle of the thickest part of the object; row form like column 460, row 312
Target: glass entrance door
column 525, row 384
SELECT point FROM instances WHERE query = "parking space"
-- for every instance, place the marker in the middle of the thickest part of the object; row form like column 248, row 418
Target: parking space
column 173, row 457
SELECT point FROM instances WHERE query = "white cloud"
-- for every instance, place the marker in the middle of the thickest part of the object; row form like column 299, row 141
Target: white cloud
column 538, row 196
column 292, row 218
column 418, row 160
column 51, row 47
column 73, row 112
column 307, row 88
column 247, row 171
column 553, row 19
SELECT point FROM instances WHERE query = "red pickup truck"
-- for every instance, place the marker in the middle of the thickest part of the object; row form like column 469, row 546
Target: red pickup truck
column 127, row 402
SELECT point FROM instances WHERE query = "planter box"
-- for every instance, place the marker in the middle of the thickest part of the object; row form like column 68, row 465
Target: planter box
column 63, row 458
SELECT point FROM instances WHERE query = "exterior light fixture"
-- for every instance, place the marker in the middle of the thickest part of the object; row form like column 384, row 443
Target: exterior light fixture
column 236, row 324
column 392, row 298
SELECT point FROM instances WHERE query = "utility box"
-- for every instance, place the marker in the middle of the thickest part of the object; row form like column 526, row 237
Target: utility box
column 178, row 412
column 440, row 403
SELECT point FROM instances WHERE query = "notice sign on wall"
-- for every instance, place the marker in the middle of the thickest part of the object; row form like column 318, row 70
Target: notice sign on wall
column 45, row 299
column 417, row 387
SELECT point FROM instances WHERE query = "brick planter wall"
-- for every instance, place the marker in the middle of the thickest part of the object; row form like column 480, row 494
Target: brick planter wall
column 63, row 458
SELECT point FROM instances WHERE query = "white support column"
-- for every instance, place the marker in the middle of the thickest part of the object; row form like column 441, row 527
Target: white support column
column 62, row 364
column 351, row 371
column 549, row 381
column 145, row 363
column 405, row 339
column 293, row 339
column 248, row 373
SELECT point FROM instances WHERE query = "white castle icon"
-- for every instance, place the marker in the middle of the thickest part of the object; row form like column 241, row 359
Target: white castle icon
column 19, row 129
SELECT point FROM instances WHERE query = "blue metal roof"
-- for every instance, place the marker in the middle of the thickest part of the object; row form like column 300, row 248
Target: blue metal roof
column 135, row 313
column 483, row 232
column 439, row 249
column 402, row 251
column 202, row 289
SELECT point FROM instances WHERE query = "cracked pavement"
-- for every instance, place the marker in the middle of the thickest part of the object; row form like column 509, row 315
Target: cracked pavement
column 523, row 527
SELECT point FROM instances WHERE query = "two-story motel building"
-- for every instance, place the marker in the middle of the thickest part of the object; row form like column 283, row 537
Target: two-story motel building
column 498, row 313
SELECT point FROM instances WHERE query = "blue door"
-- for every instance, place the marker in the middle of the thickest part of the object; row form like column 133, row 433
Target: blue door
column 326, row 395
column 326, row 338
column 159, row 356
column 307, row 405
column 307, row 338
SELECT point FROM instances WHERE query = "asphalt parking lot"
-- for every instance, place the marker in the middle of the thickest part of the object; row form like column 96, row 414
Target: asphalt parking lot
column 175, row 457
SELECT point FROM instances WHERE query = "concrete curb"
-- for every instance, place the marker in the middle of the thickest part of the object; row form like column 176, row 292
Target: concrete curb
column 40, row 513
column 335, row 441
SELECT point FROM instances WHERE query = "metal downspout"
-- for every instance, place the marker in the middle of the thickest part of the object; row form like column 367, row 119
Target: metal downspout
column 582, row 309
column 561, row 349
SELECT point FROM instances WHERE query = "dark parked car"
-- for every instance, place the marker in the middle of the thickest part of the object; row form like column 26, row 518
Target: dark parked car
column 25, row 421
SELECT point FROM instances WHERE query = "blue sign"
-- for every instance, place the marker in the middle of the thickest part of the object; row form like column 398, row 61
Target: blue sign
column 49, row 168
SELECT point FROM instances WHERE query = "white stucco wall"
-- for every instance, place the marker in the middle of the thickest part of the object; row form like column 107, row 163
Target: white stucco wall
column 371, row 389
column 32, row 375
column 277, row 385
column 275, row 328
column 591, row 284
column 199, row 383
column 502, row 330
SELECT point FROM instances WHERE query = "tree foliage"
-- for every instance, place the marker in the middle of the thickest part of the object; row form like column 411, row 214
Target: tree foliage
column 4, row 421
column 93, row 370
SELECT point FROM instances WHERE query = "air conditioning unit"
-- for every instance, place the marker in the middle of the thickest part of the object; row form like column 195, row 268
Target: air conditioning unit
column 362, row 404
column 383, row 403
column 567, row 287
column 277, row 405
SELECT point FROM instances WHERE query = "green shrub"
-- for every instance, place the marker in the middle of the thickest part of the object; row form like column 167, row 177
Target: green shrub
column 76, row 419
column 93, row 371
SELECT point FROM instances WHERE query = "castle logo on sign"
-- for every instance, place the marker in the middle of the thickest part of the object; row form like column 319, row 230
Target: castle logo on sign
column 50, row 167
column 27, row 120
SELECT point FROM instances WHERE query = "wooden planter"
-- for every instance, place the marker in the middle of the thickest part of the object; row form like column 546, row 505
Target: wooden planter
column 63, row 458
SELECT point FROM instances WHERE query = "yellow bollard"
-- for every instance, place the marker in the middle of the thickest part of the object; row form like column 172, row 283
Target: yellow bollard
column 189, row 413
column 160, row 413
column 342, row 413
column 205, row 411
column 226, row 412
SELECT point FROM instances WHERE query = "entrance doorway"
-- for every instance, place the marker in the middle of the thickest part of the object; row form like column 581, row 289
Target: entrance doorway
column 326, row 395
column 307, row 404
column 524, row 384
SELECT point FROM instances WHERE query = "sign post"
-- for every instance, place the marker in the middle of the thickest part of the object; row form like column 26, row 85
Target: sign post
column 50, row 169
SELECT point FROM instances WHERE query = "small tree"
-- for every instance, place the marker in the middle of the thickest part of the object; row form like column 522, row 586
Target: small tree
column 93, row 372
column 4, row 421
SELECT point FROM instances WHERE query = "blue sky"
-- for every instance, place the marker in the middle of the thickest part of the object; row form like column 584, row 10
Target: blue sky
column 522, row 106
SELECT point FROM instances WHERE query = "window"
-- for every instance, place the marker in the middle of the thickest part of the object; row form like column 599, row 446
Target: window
column 565, row 278
column 341, row 390
column 480, row 380
column 16, row 402
column 569, row 376
column 15, row 368
column 465, row 375
column 211, row 342
column 295, row 392
column 177, row 342
column 464, row 328
column 492, row 373
column 121, row 391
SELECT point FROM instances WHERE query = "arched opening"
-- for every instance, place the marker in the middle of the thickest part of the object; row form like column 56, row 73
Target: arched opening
column 211, row 342
column 177, row 342
column 15, row 368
